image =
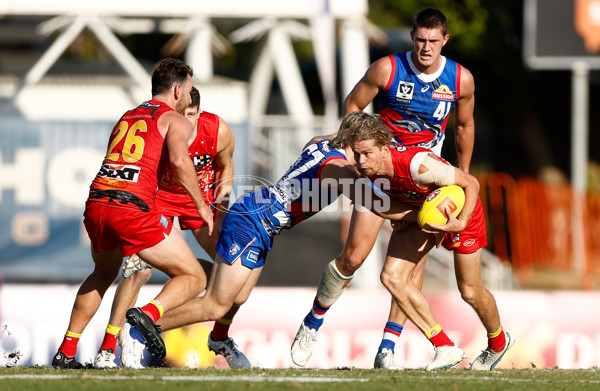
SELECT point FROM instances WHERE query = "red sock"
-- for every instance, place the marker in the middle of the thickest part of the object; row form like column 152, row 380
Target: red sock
column 220, row 330
column 438, row 337
column 152, row 311
column 441, row 339
column 109, row 342
column 69, row 344
column 497, row 341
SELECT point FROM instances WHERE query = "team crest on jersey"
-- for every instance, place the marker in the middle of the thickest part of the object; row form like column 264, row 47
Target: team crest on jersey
column 405, row 91
column 234, row 249
column 120, row 172
column 443, row 93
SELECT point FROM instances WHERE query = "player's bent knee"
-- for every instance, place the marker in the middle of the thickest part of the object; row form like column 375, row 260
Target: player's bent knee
column 106, row 274
column 240, row 300
column 392, row 282
column 470, row 294
column 141, row 277
column 350, row 262
column 217, row 311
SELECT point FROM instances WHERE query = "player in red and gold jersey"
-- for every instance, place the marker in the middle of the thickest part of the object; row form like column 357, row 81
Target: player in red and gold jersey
column 121, row 217
column 210, row 147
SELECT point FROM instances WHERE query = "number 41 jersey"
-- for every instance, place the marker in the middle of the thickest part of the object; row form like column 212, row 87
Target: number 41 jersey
column 415, row 106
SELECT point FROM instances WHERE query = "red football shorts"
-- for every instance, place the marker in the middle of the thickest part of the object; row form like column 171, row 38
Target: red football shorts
column 181, row 206
column 472, row 238
column 129, row 229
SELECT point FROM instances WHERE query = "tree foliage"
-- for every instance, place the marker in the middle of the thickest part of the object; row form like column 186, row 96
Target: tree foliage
column 467, row 19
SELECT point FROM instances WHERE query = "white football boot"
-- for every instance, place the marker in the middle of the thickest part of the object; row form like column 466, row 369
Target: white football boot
column 132, row 350
column 488, row 359
column 446, row 357
column 105, row 359
column 303, row 345
column 385, row 360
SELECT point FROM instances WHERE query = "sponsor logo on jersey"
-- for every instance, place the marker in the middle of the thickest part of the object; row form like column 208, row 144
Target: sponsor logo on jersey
column 443, row 93
column 424, row 89
column 252, row 256
column 148, row 105
column 234, row 249
column 405, row 91
column 206, row 179
column 164, row 221
column 120, row 172
column 201, row 160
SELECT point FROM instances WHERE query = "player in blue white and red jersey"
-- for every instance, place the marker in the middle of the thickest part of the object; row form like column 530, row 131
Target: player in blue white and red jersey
column 323, row 171
column 414, row 93
column 415, row 106
column 121, row 217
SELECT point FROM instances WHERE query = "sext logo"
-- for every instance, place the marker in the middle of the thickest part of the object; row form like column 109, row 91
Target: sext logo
column 120, row 172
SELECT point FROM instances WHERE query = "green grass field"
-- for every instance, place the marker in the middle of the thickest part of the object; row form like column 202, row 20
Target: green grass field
column 156, row 379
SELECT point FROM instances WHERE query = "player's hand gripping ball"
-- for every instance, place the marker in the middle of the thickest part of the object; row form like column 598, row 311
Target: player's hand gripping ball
column 432, row 210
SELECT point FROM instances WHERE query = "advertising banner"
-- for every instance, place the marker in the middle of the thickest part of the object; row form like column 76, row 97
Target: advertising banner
column 552, row 329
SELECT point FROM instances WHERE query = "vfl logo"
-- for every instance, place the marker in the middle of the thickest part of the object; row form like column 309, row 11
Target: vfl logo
column 405, row 91
column 120, row 172
column 443, row 93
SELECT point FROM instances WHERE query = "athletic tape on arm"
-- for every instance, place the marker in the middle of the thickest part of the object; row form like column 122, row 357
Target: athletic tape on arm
column 331, row 285
column 437, row 173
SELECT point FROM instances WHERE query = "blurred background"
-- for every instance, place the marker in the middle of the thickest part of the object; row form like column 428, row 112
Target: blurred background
column 278, row 73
